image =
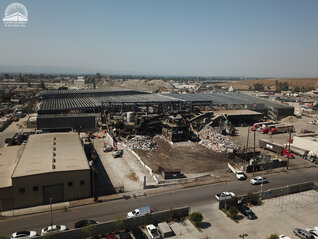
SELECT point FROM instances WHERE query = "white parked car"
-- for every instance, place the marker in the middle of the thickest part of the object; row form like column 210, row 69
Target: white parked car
column 224, row 195
column 240, row 175
column 313, row 232
column 54, row 228
column 23, row 234
column 153, row 232
column 258, row 180
column 284, row 237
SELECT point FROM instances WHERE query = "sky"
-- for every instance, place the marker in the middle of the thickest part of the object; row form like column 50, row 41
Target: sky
column 256, row 38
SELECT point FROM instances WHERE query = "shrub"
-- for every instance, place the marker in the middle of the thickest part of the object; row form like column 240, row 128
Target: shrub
column 249, row 197
column 232, row 212
column 196, row 217
column 273, row 236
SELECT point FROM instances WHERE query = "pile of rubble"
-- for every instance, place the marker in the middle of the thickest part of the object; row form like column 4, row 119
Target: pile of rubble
column 141, row 142
column 215, row 141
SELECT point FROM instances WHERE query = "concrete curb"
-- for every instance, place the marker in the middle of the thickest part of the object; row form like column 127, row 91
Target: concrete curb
column 103, row 199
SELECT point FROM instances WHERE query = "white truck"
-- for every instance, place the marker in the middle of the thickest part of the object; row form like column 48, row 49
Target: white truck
column 239, row 174
column 139, row 211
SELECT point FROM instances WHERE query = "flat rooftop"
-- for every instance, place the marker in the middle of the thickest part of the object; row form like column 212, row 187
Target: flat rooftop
column 236, row 112
column 9, row 157
column 52, row 152
column 94, row 99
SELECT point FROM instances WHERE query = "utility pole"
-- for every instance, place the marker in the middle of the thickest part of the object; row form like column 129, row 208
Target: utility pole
column 248, row 134
column 254, row 152
column 254, row 144
column 51, row 212
column 289, row 140
column 225, row 192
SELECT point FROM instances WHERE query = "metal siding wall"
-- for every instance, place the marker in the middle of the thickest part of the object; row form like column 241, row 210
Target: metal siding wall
column 84, row 122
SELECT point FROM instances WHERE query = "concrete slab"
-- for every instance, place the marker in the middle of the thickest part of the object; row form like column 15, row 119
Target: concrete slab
column 124, row 172
column 185, row 230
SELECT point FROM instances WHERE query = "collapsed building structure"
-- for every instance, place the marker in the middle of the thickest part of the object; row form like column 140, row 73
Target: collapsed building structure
column 130, row 112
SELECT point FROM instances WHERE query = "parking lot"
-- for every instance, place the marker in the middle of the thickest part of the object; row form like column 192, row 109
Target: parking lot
column 278, row 215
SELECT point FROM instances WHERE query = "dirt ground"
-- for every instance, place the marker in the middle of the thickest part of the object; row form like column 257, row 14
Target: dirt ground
column 186, row 157
column 243, row 85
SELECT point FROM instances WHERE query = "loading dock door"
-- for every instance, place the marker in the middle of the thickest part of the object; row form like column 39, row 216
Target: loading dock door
column 56, row 192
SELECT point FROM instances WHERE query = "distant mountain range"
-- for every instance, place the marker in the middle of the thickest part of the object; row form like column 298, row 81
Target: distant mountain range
column 89, row 71
column 46, row 69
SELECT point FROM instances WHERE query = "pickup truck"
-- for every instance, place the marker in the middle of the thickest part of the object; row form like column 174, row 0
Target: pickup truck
column 240, row 175
column 139, row 211
column 224, row 195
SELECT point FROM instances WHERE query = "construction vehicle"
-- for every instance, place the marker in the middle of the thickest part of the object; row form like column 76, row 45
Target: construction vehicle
column 176, row 128
column 225, row 127
column 130, row 123
column 199, row 121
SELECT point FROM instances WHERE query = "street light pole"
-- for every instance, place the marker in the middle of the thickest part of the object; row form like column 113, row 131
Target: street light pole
column 262, row 190
column 288, row 149
column 51, row 212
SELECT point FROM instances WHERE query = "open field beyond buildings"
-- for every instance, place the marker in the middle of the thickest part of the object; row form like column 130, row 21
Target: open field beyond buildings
column 244, row 84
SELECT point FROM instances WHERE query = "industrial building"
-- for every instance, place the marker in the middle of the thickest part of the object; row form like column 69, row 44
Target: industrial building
column 83, row 103
column 50, row 167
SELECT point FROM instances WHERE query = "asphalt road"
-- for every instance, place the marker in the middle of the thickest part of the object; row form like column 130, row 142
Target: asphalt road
column 201, row 195
column 9, row 132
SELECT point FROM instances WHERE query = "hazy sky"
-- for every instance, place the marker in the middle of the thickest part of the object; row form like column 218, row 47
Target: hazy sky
column 169, row 37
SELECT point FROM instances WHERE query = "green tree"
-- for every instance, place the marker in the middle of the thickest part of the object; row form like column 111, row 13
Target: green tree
column 276, row 85
column 297, row 89
column 42, row 85
column 258, row 87
column 282, row 86
column 273, row 236
column 196, row 217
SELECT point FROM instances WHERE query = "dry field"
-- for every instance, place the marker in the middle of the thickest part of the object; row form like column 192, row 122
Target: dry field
column 243, row 85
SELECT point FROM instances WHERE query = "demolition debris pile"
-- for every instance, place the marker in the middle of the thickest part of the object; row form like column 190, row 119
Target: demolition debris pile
column 215, row 141
column 141, row 142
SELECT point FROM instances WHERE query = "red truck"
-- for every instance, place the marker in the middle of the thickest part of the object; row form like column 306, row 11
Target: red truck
column 266, row 128
column 281, row 128
column 262, row 124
